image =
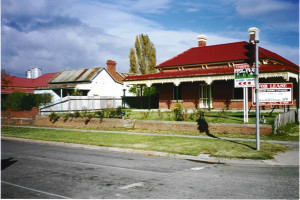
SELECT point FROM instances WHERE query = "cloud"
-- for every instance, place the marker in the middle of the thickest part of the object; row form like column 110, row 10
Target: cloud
column 58, row 35
column 274, row 14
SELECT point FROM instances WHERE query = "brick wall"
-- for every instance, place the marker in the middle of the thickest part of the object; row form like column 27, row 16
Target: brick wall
column 8, row 113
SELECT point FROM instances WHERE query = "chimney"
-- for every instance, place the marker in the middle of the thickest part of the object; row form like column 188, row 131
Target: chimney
column 252, row 32
column 111, row 67
column 201, row 40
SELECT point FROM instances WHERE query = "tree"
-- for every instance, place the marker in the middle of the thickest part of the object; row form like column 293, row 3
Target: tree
column 133, row 66
column 143, row 58
column 4, row 80
column 142, row 61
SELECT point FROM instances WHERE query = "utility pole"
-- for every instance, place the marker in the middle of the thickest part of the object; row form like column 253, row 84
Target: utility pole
column 254, row 38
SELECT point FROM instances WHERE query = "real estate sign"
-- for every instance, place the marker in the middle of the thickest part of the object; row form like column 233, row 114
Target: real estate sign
column 244, row 76
column 274, row 94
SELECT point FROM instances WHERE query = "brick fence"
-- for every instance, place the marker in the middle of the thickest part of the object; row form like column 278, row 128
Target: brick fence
column 9, row 116
column 247, row 129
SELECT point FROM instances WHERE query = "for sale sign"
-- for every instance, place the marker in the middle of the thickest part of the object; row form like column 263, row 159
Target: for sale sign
column 274, row 94
column 244, row 76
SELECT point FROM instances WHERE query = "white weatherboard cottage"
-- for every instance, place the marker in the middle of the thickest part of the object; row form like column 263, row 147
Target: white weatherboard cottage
column 96, row 88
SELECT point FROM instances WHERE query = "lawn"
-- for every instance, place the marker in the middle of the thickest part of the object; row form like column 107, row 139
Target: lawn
column 170, row 144
column 210, row 117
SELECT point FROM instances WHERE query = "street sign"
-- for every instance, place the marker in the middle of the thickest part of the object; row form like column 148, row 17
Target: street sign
column 274, row 94
column 244, row 76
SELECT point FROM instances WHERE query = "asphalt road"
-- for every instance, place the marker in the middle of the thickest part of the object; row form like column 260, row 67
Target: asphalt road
column 41, row 171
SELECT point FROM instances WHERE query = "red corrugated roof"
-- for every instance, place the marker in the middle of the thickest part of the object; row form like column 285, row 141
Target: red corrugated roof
column 11, row 90
column 41, row 81
column 208, row 72
column 219, row 53
column 25, row 84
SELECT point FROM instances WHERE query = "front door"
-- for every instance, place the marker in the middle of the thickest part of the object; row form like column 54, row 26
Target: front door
column 205, row 93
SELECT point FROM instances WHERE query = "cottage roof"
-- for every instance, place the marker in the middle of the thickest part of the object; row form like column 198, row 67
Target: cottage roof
column 75, row 75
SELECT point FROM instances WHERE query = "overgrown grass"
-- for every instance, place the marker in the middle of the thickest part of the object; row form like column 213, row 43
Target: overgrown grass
column 177, row 145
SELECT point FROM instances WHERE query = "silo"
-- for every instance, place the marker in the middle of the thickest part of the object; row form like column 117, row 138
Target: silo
column 28, row 74
column 36, row 72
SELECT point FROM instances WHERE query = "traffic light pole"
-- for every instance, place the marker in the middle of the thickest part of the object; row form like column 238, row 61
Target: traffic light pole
column 255, row 40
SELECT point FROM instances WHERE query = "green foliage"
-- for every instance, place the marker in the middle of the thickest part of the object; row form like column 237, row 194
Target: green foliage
column 119, row 111
column 19, row 101
column 178, row 112
column 145, row 115
column 132, row 59
column 100, row 114
column 144, row 56
column 44, row 99
column 53, row 117
column 76, row 93
column 77, row 114
column 145, row 90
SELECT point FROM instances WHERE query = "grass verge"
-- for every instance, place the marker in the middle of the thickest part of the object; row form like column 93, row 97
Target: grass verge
column 170, row 144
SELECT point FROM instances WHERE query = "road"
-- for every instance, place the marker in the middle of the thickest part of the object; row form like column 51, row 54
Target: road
column 43, row 171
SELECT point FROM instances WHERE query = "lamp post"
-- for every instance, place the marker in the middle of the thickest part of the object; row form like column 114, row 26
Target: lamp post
column 254, row 38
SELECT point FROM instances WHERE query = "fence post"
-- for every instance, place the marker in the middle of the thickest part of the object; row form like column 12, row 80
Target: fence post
column 93, row 103
column 69, row 104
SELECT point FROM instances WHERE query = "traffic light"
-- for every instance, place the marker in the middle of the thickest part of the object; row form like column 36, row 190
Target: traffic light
column 249, row 53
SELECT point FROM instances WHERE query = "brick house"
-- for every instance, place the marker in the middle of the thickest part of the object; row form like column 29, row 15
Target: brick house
column 27, row 85
column 203, row 76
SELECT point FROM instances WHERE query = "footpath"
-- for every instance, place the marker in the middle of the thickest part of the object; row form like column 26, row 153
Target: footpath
column 289, row 158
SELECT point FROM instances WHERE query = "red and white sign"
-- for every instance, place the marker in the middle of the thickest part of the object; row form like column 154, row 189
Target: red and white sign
column 274, row 94
column 244, row 76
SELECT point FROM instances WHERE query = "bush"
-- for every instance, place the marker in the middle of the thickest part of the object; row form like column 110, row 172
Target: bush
column 53, row 117
column 19, row 101
column 100, row 114
column 178, row 112
column 76, row 114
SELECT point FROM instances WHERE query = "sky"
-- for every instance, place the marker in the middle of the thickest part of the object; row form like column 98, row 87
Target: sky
column 57, row 35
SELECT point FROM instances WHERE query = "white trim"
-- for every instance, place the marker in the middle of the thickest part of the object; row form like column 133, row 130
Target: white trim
column 207, row 79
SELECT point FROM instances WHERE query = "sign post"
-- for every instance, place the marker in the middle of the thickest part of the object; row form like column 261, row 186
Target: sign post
column 244, row 77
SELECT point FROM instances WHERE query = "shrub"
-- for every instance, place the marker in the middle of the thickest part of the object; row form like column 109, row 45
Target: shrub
column 178, row 112
column 100, row 114
column 76, row 114
column 53, row 117
column 19, row 101
column 160, row 114
column 145, row 115
column 119, row 111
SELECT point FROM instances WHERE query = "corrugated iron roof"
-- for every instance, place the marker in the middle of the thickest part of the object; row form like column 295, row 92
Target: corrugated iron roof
column 75, row 75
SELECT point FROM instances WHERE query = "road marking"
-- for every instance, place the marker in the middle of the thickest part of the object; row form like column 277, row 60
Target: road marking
column 31, row 189
column 140, row 184
column 197, row 168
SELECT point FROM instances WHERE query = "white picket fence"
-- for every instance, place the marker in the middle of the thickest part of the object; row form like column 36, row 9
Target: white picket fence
column 80, row 103
column 285, row 118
